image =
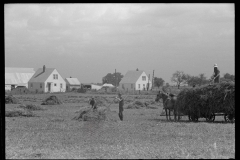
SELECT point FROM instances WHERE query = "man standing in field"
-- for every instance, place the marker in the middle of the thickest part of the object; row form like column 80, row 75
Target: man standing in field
column 216, row 74
column 121, row 103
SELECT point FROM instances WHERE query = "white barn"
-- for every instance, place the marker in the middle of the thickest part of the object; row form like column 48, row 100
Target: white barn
column 47, row 80
column 135, row 80
column 72, row 83
column 17, row 77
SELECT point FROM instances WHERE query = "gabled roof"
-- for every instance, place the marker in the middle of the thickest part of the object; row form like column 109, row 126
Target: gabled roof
column 41, row 76
column 131, row 76
column 108, row 85
column 72, row 81
column 18, row 75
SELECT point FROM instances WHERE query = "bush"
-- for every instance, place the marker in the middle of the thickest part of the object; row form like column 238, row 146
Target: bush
column 81, row 90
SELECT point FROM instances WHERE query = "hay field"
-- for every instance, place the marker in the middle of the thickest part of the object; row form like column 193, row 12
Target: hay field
column 52, row 133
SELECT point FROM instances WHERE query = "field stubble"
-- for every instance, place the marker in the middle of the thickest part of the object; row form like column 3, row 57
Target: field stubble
column 142, row 134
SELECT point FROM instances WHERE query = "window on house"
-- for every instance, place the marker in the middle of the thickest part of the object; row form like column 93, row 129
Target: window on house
column 60, row 85
column 31, row 85
column 138, row 85
column 55, row 84
column 144, row 78
column 56, row 76
column 143, row 85
column 40, row 85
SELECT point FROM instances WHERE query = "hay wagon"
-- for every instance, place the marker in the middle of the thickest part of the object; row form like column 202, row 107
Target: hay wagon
column 228, row 117
column 208, row 101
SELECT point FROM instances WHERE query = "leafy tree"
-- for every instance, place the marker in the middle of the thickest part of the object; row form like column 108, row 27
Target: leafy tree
column 158, row 82
column 227, row 77
column 179, row 77
column 110, row 78
column 197, row 80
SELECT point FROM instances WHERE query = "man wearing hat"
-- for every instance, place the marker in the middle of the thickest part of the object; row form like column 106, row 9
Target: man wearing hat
column 121, row 103
column 216, row 74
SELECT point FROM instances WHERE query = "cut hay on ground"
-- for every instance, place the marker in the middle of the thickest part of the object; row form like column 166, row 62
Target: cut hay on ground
column 19, row 113
column 52, row 100
column 9, row 99
column 204, row 100
column 100, row 114
column 139, row 105
column 31, row 107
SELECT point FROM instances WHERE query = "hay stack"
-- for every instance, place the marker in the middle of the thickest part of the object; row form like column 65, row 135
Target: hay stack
column 52, row 100
column 204, row 100
column 9, row 99
column 100, row 114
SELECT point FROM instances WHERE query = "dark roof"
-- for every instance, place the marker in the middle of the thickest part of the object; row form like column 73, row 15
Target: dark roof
column 131, row 76
column 41, row 76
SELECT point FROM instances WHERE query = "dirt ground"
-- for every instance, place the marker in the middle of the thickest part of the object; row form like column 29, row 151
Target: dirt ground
column 143, row 133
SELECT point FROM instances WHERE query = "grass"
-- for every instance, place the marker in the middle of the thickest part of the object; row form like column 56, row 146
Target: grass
column 142, row 134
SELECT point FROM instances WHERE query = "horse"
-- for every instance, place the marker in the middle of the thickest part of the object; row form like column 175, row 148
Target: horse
column 168, row 104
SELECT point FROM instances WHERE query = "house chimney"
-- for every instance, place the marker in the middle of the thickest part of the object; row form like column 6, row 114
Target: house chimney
column 44, row 68
column 137, row 69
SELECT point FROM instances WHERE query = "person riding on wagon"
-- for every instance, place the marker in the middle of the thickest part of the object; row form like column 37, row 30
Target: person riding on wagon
column 216, row 74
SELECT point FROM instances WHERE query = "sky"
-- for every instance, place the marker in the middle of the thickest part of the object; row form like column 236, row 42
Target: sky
column 88, row 41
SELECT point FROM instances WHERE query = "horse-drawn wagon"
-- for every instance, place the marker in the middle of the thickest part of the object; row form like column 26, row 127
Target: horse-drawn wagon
column 202, row 102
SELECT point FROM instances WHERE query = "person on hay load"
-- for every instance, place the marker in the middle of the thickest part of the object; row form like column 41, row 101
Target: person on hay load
column 216, row 74
column 121, row 103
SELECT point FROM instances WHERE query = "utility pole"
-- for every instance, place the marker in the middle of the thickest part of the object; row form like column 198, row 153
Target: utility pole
column 152, row 80
column 148, row 82
column 115, row 79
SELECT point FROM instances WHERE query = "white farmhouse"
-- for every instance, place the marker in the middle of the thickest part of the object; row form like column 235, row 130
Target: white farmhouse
column 135, row 80
column 47, row 80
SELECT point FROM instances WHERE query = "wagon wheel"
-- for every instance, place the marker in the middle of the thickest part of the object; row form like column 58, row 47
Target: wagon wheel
column 229, row 118
column 193, row 118
column 211, row 117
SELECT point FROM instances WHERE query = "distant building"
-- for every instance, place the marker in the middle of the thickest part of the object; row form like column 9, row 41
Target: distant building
column 72, row 83
column 135, row 80
column 96, row 87
column 47, row 80
column 17, row 77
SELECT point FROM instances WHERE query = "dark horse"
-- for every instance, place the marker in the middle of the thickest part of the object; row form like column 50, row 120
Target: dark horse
column 168, row 104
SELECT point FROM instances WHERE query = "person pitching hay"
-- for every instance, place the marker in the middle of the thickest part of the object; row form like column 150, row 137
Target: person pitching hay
column 121, row 103
column 216, row 74
column 93, row 103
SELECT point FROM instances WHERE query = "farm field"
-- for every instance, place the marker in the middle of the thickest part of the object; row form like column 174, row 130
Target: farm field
column 143, row 133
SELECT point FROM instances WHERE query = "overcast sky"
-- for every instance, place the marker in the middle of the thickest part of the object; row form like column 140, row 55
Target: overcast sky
column 88, row 41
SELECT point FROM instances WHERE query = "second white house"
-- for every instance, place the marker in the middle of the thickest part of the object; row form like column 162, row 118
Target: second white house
column 135, row 80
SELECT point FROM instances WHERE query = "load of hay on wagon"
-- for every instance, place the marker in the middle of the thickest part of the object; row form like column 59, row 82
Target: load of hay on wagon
column 52, row 100
column 206, row 100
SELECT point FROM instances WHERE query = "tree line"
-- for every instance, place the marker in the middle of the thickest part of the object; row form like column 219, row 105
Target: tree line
column 179, row 77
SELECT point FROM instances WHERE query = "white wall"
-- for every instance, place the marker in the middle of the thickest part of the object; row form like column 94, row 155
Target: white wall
column 56, row 82
column 141, row 82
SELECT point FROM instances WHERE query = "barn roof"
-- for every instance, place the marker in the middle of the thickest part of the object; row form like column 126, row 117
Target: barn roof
column 14, row 76
column 72, row 81
column 41, row 76
column 131, row 76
